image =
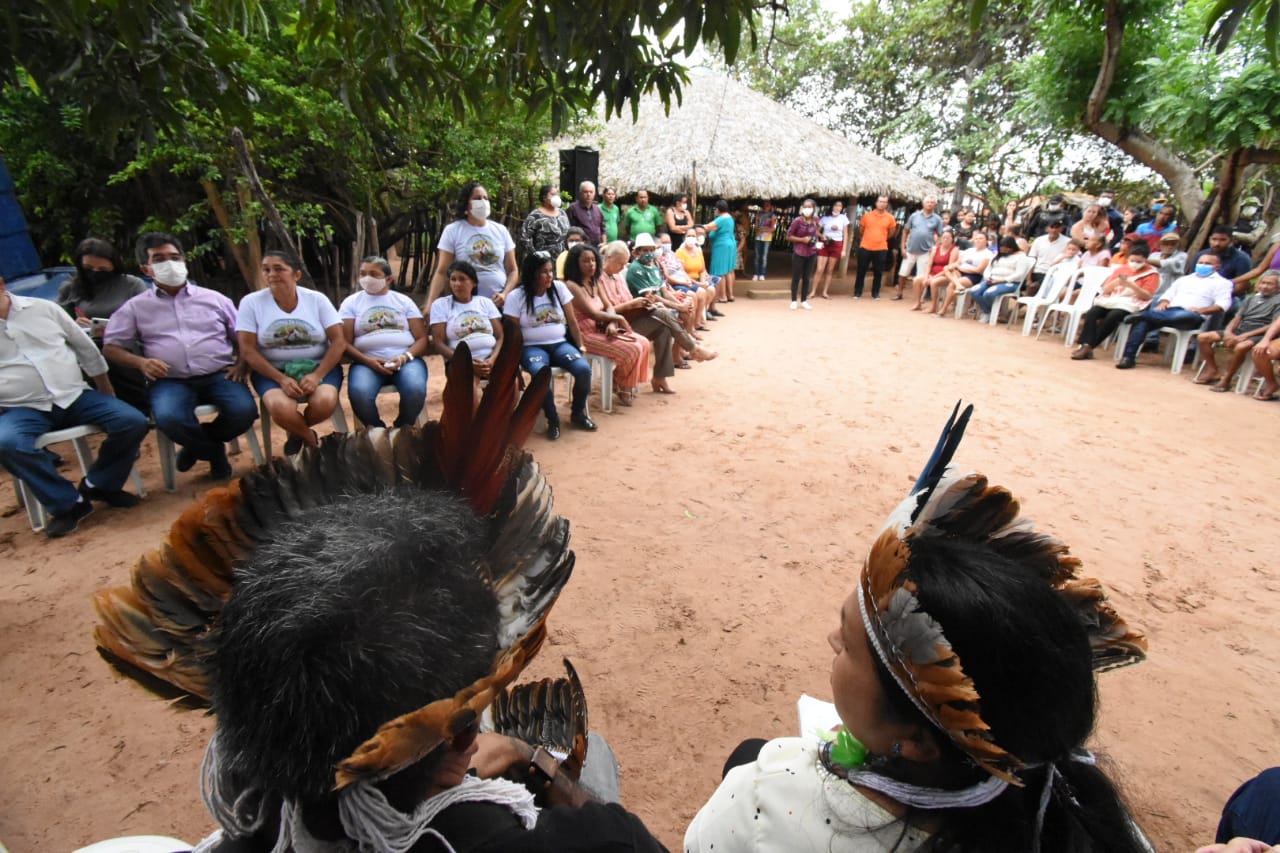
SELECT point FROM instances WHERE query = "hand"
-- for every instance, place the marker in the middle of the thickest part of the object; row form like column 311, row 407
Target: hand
column 611, row 330
column 292, row 389
column 84, row 322
column 498, row 299
column 154, row 368
column 309, row 383
column 1238, row 845
column 376, row 364
column 453, row 767
column 1011, row 207
column 497, row 755
column 237, row 372
column 1229, row 340
column 482, row 367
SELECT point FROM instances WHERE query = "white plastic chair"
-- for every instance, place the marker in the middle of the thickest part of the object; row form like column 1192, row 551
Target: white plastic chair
column 1243, row 378
column 338, row 418
column 78, row 436
column 1183, row 340
column 1012, row 297
column 1050, row 292
column 1090, row 286
column 169, row 453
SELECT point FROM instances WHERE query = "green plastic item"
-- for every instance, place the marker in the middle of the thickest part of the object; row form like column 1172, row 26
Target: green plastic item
column 846, row 750
column 298, row 368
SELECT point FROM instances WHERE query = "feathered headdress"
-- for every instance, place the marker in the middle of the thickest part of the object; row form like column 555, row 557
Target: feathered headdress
column 911, row 644
column 162, row 623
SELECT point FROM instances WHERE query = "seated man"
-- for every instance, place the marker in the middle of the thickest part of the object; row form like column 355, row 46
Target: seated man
column 1257, row 312
column 183, row 339
column 1046, row 249
column 1183, row 306
column 42, row 352
column 1234, row 263
column 645, row 280
column 1128, row 289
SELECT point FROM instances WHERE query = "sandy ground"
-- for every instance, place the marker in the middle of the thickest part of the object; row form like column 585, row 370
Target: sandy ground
column 717, row 532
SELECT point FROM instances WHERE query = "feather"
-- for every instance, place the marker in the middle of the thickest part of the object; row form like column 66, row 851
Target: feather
column 551, row 713
column 943, row 451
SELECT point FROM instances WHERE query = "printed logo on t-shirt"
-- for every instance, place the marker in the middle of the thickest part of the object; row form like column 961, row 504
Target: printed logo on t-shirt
column 470, row 323
column 290, row 333
column 380, row 318
column 482, row 252
column 548, row 315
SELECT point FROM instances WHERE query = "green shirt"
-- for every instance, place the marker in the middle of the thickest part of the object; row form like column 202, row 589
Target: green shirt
column 641, row 278
column 611, row 212
column 642, row 221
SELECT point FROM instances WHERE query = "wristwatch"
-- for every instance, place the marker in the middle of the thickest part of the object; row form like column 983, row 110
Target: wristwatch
column 542, row 771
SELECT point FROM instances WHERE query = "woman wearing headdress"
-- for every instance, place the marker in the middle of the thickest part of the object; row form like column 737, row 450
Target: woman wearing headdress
column 963, row 679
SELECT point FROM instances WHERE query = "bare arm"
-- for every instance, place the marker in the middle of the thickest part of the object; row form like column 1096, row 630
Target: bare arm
column 440, row 281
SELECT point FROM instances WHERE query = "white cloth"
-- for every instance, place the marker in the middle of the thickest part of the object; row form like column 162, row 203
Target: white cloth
column 787, row 801
column 42, row 352
column 484, row 247
column 974, row 260
column 468, row 321
column 381, row 322
column 284, row 336
column 833, row 227
column 1045, row 251
column 1009, row 268
column 1192, row 291
column 543, row 323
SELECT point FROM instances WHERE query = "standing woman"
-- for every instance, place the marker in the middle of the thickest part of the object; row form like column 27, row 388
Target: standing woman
column 544, row 309
column 679, row 220
column 803, row 237
column 724, row 251
column 545, row 227
column 835, row 233
column 485, row 244
column 291, row 338
column 386, row 340
column 98, row 288
column 604, row 331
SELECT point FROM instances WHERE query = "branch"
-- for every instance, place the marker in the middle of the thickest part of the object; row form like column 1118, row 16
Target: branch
column 274, row 219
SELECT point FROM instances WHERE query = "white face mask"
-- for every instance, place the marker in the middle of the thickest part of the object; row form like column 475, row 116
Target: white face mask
column 806, row 212
column 480, row 208
column 682, row 205
column 1104, row 202
column 556, row 201
column 170, row 273
column 1248, row 211
column 373, row 284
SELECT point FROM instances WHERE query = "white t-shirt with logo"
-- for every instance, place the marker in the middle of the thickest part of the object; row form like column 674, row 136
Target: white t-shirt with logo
column 544, row 322
column 484, row 247
column 833, row 227
column 467, row 321
column 381, row 322
column 285, row 336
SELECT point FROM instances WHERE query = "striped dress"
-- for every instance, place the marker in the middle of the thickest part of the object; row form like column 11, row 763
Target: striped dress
column 630, row 358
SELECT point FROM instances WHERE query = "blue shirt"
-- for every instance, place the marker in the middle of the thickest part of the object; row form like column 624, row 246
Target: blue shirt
column 1235, row 263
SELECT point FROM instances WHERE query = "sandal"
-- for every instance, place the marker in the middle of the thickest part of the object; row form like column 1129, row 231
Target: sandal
column 684, row 365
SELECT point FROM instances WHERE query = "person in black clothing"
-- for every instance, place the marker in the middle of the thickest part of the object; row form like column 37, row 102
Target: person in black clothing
column 1053, row 211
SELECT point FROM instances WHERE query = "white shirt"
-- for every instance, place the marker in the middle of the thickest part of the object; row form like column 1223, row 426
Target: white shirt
column 833, row 227
column 1192, row 291
column 381, row 322
column 974, row 260
column 1045, row 251
column 284, row 336
column 467, row 321
column 42, row 352
column 544, row 323
column 484, row 247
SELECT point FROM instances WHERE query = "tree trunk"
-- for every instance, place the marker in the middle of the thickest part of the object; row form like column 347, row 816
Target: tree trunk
column 274, row 219
column 249, row 223
column 214, row 195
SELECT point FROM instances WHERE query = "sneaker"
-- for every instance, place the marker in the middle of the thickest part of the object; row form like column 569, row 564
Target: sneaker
column 118, row 498
column 795, row 305
column 877, row 298
column 859, row 296
column 984, row 318
column 806, row 306
column 67, row 522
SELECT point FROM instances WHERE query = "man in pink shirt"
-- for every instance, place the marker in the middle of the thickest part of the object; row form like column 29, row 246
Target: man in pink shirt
column 183, row 339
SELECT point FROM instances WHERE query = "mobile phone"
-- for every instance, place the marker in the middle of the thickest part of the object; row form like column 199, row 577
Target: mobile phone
column 99, row 322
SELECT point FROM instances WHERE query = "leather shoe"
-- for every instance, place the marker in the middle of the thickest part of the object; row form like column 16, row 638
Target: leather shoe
column 583, row 421
column 67, row 522
column 1126, row 364
column 553, row 429
column 118, row 498
column 220, row 469
column 186, row 460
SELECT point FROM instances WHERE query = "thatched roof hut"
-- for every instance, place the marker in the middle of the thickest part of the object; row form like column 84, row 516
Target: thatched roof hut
column 745, row 145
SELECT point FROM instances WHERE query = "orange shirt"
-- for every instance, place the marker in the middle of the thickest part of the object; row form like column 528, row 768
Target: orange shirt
column 876, row 226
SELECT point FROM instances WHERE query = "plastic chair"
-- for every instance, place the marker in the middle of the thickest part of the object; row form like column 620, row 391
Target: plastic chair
column 1243, row 377
column 338, row 419
column 78, row 436
column 169, row 452
column 1012, row 296
column 1050, row 292
column 1183, row 340
column 1090, row 286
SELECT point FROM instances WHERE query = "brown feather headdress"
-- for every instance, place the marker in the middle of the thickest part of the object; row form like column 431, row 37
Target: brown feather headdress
column 911, row 644
column 163, row 624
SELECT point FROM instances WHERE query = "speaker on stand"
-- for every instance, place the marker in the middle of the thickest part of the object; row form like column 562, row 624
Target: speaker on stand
column 577, row 165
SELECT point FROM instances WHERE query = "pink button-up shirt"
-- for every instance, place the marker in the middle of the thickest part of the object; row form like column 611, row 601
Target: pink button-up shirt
column 194, row 331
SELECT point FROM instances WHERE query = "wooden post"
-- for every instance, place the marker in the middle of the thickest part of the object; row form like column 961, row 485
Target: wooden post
column 693, row 193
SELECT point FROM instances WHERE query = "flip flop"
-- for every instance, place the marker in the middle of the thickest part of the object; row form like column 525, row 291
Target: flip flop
column 1269, row 398
column 1219, row 388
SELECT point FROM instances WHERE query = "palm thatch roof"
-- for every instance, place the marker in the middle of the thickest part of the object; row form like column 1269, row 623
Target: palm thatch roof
column 745, row 144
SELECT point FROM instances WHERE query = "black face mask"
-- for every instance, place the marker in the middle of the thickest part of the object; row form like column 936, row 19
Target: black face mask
column 96, row 278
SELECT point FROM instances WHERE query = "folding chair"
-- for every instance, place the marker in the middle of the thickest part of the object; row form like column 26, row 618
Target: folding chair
column 78, row 436
column 169, row 453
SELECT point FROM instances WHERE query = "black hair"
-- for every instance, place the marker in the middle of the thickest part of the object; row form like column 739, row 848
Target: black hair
column 464, row 199
column 1029, row 656
column 1010, row 242
column 1207, row 253
column 1141, row 247
column 1221, row 229
column 99, row 249
column 722, row 206
column 544, row 191
column 468, row 269
column 151, row 240
column 530, row 268
column 572, row 272
column 382, row 263
column 290, row 259
column 575, row 231
column 350, row 615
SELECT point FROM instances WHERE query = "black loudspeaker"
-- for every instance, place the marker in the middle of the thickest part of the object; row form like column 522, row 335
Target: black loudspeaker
column 578, row 165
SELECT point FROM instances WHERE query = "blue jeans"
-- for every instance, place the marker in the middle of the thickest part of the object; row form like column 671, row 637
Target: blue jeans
column 364, row 383
column 762, row 257
column 173, row 406
column 1153, row 320
column 986, row 294
column 19, row 428
column 564, row 355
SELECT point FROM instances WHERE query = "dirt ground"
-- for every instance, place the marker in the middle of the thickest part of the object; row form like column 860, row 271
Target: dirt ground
column 717, row 532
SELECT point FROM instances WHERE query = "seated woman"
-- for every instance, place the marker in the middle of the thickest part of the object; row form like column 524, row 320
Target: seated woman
column 968, row 271
column 291, row 338
column 963, row 682
column 465, row 315
column 92, row 295
column 1096, row 253
column 544, row 309
column 694, row 258
column 943, row 256
column 675, row 268
column 605, row 332
column 1005, row 275
column 386, row 340
column 1128, row 290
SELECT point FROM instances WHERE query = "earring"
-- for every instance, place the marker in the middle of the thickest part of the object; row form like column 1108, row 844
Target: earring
column 896, row 750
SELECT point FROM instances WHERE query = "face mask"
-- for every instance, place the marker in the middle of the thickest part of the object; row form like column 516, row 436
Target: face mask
column 702, row 241
column 691, row 242
column 1054, row 207
column 95, row 278
column 1204, row 270
column 1104, row 202
column 480, row 208
column 373, row 284
column 1155, row 208
column 1137, row 262
column 170, row 273
column 1248, row 211
column 682, row 205
column 645, row 258
column 556, row 201
column 806, row 212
